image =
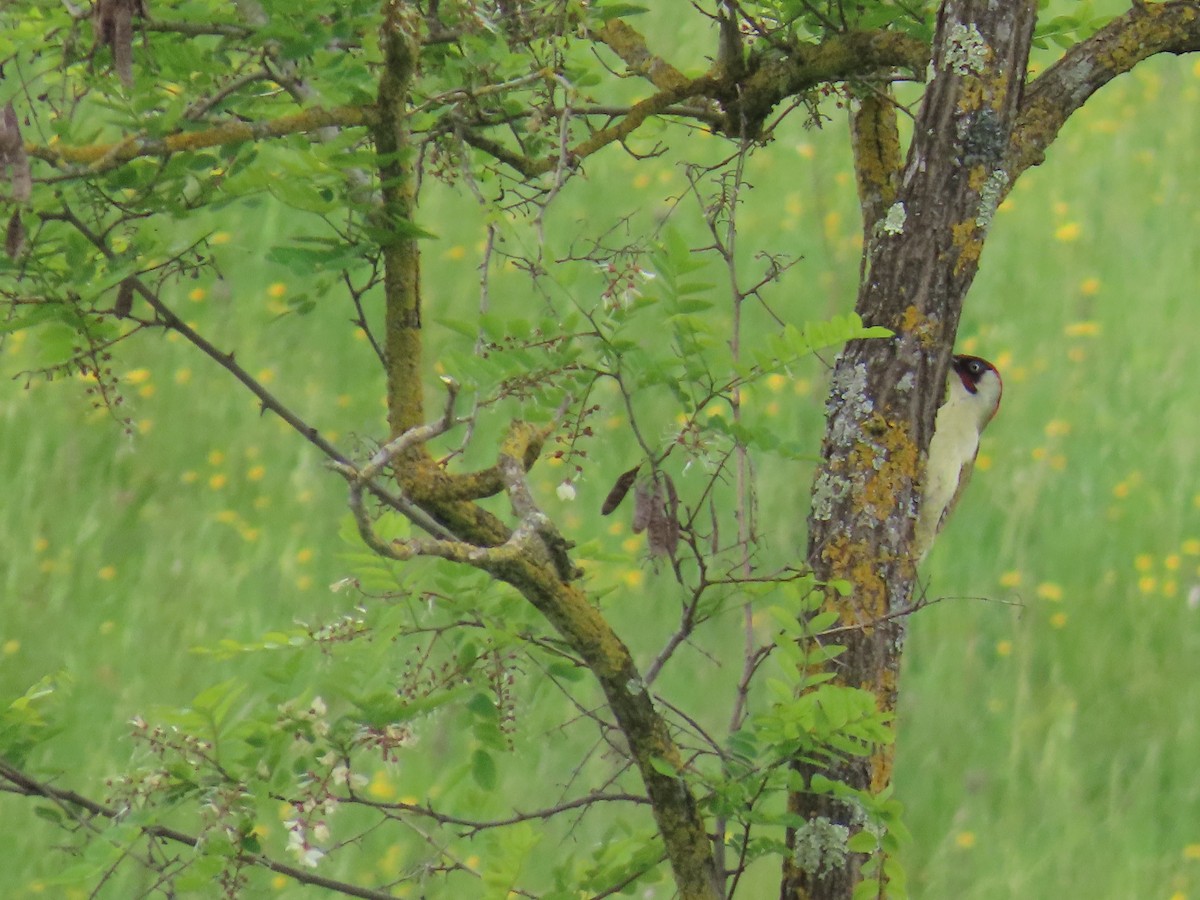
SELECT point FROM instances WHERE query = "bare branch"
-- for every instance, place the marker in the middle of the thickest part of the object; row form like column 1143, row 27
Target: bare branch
column 474, row 826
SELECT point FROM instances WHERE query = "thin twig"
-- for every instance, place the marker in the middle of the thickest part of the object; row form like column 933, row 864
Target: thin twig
column 475, row 826
column 169, row 320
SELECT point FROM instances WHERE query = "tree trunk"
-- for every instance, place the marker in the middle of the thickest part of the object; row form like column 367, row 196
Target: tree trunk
column 920, row 260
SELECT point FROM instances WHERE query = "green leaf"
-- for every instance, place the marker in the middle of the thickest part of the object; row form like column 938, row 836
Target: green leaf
column 41, row 313
column 483, row 769
column 606, row 11
column 821, row 784
column 565, row 671
column 30, row 720
column 863, row 842
column 200, row 874
column 51, row 814
column 844, row 588
column 822, row 621
column 482, row 705
column 219, row 698
column 663, row 767
column 467, row 654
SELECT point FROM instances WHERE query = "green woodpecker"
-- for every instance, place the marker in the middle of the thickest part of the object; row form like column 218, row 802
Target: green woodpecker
column 972, row 398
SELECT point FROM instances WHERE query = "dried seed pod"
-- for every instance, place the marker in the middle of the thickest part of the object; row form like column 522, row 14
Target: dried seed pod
column 619, row 490
column 114, row 29
column 14, row 239
column 124, row 298
column 10, row 132
column 662, row 532
column 13, row 157
column 643, row 503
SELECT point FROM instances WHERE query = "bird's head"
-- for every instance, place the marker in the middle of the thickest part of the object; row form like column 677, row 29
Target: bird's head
column 981, row 386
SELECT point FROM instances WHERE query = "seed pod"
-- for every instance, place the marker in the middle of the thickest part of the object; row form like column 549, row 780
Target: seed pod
column 13, row 156
column 114, row 28
column 643, row 503
column 124, row 298
column 619, row 490
column 14, row 238
column 662, row 531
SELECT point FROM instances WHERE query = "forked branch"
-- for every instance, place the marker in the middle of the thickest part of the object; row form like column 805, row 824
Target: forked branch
column 1053, row 97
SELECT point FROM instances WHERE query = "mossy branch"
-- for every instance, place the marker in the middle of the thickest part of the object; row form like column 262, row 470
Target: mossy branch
column 401, row 254
column 747, row 101
column 746, row 94
column 875, row 138
column 630, row 45
column 91, row 159
column 854, row 55
column 533, row 559
column 1053, row 97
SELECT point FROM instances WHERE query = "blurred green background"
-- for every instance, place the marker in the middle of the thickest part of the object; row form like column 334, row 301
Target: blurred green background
column 1050, row 723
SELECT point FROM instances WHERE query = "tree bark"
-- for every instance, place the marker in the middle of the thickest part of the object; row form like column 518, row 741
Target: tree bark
column 919, row 262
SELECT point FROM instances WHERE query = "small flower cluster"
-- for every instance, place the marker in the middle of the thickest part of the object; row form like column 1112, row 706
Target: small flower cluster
column 228, row 818
column 571, row 451
column 307, row 822
column 163, row 741
column 307, row 825
column 306, row 724
column 227, row 811
column 136, row 790
column 344, row 630
column 388, row 740
column 623, row 283
column 699, row 444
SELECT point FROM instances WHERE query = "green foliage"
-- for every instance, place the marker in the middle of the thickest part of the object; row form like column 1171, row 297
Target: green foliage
column 379, row 734
column 1068, row 28
column 29, row 720
column 815, row 20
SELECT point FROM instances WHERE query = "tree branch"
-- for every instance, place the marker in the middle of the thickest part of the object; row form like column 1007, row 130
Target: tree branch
column 534, row 560
column 629, row 44
column 875, row 138
column 167, row 318
column 747, row 101
column 475, row 826
column 95, row 158
column 1050, row 99
column 840, row 57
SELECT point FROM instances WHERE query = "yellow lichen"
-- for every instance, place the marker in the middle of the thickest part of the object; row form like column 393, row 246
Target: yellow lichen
column 966, row 238
column 852, row 560
column 977, row 178
column 914, row 322
column 890, row 476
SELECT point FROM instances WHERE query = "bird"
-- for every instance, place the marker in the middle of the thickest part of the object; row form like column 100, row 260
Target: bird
column 973, row 390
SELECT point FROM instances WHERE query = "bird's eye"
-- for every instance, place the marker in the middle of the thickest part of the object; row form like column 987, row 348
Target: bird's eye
column 975, row 367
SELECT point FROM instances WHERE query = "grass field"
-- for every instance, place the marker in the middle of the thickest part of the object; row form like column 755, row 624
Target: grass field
column 1050, row 728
